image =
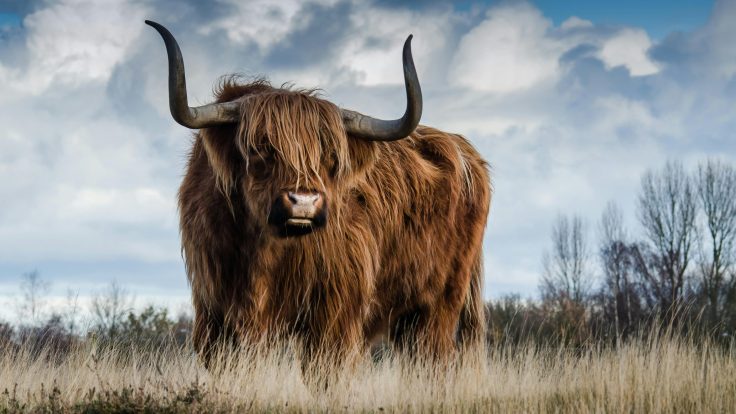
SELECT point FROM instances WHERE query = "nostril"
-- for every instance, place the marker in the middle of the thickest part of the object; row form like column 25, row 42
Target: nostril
column 293, row 197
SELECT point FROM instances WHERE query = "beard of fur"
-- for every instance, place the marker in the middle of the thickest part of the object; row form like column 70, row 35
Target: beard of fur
column 321, row 265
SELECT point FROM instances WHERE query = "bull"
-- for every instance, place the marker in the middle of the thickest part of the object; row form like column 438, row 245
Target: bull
column 304, row 219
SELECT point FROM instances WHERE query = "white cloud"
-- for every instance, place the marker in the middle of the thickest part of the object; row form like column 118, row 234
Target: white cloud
column 77, row 41
column 373, row 50
column 86, row 189
column 629, row 48
column 516, row 49
column 575, row 22
column 508, row 51
column 263, row 22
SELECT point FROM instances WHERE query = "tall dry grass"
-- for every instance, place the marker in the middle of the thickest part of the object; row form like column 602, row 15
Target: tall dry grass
column 673, row 375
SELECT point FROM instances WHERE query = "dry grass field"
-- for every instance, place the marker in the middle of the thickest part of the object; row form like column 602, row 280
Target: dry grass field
column 643, row 376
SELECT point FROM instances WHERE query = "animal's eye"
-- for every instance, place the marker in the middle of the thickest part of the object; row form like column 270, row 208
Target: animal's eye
column 261, row 151
column 332, row 165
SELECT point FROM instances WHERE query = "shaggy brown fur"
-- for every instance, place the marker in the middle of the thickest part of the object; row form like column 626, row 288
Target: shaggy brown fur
column 400, row 254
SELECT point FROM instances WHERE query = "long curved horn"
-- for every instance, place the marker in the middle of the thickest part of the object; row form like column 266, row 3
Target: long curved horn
column 198, row 117
column 372, row 129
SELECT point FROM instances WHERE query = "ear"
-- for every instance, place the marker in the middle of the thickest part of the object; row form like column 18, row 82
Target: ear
column 362, row 156
column 222, row 154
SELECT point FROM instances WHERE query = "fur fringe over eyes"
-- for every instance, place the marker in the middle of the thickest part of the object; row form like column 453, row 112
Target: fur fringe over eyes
column 302, row 130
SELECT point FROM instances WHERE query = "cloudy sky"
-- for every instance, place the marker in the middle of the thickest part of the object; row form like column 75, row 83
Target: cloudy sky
column 569, row 103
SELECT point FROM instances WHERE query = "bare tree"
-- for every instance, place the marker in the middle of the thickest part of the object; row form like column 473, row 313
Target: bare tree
column 667, row 212
column 109, row 309
column 612, row 224
column 70, row 314
column 617, row 256
column 32, row 302
column 566, row 276
column 716, row 186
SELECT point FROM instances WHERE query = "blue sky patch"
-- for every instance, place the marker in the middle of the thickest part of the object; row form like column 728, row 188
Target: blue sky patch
column 657, row 17
column 9, row 19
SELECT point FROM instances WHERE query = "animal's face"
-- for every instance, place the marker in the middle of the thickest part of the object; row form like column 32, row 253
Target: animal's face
column 298, row 161
column 280, row 196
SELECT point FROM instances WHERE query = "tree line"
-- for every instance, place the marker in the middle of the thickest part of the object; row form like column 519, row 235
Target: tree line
column 109, row 320
column 677, row 271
